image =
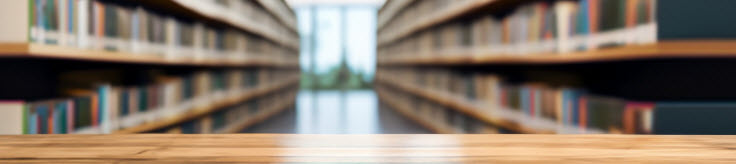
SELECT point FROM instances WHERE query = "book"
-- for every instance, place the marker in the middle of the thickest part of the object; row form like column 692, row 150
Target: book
column 14, row 118
column 138, row 28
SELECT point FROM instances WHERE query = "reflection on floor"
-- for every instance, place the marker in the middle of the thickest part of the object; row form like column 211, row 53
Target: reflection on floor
column 335, row 112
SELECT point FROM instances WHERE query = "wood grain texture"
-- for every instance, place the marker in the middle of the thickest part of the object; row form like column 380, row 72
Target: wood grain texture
column 662, row 49
column 263, row 148
column 205, row 110
column 71, row 53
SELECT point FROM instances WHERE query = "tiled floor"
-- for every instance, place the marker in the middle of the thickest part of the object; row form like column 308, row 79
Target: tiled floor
column 335, row 112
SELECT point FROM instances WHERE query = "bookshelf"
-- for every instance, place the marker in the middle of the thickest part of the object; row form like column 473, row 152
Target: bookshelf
column 505, row 118
column 213, row 12
column 20, row 50
column 215, row 105
column 404, row 111
column 662, row 50
column 390, row 9
column 564, row 67
column 245, row 123
column 445, row 13
column 121, row 67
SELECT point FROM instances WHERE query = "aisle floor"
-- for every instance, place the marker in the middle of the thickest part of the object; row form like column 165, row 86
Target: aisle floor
column 336, row 112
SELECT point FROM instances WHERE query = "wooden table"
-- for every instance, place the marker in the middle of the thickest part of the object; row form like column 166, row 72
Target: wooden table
column 367, row 148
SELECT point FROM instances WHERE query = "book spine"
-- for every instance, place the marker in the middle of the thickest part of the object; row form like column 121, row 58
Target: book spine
column 26, row 118
column 95, row 110
column 82, row 23
column 71, row 116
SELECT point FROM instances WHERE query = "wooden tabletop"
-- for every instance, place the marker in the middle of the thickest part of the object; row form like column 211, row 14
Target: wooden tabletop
column 367, row 148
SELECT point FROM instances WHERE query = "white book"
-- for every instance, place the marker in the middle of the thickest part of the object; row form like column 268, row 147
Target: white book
column 11, row 117
column 198, row 41
column 62, row 21
column 105, row 108
column 124, row 32
column 82, row 23
column 172, row 39
column 563, row 13
column 115, row 104
column 16, row 22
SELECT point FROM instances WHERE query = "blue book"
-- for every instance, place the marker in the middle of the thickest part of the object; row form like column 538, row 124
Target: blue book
column 524, row 98
column 33, row 120
column 70, row 16
column 43, row 115
column 124, row 103
column 60, row 119
column 575, row 107
column 582, row 25
column 102, row 106
column 56, row 115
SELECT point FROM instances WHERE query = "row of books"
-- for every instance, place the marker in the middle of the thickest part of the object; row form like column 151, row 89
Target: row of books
column 388, row 11
column 567, row 106
column 437, row 115
column 235, row 115
column 414, row 13
column 281, row 10
column 276, row 23
column 109, row 107
column 539, row 27
column 129, row 27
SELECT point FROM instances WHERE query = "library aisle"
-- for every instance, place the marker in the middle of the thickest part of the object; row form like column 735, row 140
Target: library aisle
column 336, row 112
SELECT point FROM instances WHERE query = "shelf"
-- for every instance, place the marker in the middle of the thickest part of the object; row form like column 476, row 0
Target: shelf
column 661, row 50
column 404, row 112
column 273, row 7
column 389, row 10
column 72, row 53
column 436, row 18
column 202, row 111
column 212, row 13
column 261, row 116
column 507, row 119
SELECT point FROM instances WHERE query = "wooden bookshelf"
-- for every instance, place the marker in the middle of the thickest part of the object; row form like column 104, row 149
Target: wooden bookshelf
column 662, row 50
column 287, row 19
column 445, row 15
column 206, row 10
column 538, row 126
column 388, row 11
column 30, row 50
column 383, row 97
column 384, row 148
column 261, row 116
column 202, row 111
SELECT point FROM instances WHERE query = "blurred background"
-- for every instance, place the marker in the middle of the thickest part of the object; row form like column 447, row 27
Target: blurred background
column 367, row 66
column 338, row 66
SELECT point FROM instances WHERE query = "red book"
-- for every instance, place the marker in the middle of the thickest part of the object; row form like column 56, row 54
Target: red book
column 631, row 13
column 70, row 116
column 50, row 119
column 593, row 13
column 583, row 113
column 95, row 110
column 532, row 101
column 630, row 119
column 502, row 97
